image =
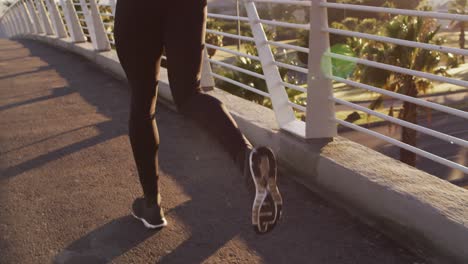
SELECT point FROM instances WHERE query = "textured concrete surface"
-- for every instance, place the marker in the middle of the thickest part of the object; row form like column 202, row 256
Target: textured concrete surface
column 67, row 181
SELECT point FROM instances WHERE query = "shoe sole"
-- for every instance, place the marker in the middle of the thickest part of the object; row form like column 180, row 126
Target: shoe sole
column 265, row 184
column 150, row 226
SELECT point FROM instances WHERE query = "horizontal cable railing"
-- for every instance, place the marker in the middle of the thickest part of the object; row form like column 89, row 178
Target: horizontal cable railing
column 406, row 71
column 398, row 69
column 296, row 90
column 230, row 35
column 401, row 42
column 393, row 68
column 396, row 11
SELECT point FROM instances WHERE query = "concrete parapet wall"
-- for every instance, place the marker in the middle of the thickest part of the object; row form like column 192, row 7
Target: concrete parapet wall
column 428, row 215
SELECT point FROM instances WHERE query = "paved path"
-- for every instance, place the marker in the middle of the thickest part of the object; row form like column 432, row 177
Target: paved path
column 67, row 181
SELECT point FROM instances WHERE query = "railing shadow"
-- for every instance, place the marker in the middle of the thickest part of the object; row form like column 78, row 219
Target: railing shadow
column 57, row 92
column 24, row 73
column 105, row 243
column 115, row 127
column 107, row 132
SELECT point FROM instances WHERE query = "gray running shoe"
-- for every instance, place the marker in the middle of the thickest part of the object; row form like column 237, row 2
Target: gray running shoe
column 260, row 170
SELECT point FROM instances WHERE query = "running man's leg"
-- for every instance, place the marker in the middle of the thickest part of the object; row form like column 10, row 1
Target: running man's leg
column 184, row 37
column 139, row 46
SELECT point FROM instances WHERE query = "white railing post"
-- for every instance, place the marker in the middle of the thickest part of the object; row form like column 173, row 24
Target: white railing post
column 89, row 24
column 73, row 23
column 6, row 21
column 26, row 18
column 15, row 22
column 2, row 28
column 2, row 25
column 279, row 98
column 37, row 24
column 113, row 4
column 20, row 20
column 320, row 115
column 11, row 20
column 16, row 19
column 100, row 41
column 9, row 25
column 207, row 81
column 57, row 21
column 13, row 26
column 44, row 17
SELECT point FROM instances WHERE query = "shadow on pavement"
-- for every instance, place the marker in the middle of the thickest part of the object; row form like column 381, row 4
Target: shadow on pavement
column 63, row 91
column 105, row 243
column 24, row 73
column 107, row 130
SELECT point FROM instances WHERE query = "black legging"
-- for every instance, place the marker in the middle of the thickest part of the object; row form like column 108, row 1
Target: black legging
column 142, row 30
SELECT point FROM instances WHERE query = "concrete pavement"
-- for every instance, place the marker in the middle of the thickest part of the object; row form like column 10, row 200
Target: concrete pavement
column 67, row 181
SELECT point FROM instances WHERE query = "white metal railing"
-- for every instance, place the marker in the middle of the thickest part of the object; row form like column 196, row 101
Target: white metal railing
column 61, row 18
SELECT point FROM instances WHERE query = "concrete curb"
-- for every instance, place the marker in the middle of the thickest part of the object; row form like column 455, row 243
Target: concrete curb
column 428, row 215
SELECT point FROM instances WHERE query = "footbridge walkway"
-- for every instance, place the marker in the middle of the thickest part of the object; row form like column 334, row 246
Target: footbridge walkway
column 68, row 180
column 67, row 175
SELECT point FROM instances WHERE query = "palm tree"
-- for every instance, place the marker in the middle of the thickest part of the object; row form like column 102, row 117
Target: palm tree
column 412, row 29
column 459, row 7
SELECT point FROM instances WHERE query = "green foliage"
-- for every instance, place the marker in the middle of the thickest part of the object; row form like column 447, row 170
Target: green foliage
column 411, row 29
column 404, row 4
column 213, row 39
column 229, row 27
column 406, row 28
column 255, row 83
column 459, row 7
column 278, row 12
column 337, row 15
